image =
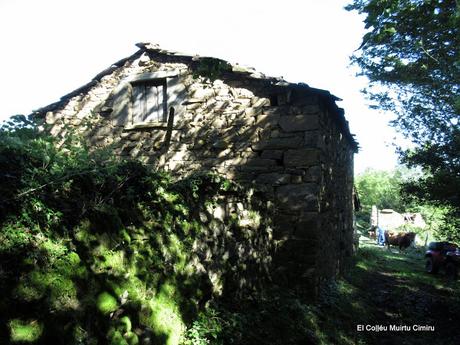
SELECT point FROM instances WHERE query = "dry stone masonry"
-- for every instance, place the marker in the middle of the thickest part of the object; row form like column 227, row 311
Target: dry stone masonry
column 289, row 141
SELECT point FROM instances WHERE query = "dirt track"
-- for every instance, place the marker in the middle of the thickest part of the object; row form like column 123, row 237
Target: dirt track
column 398, row 293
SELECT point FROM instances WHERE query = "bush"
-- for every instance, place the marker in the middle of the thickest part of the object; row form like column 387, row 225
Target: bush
column 94, row 249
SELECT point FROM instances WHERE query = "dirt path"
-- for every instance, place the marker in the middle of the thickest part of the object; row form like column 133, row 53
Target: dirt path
column 398, row 293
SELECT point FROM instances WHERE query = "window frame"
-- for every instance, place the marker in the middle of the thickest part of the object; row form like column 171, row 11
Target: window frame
column 146, row 83
column 145, row 78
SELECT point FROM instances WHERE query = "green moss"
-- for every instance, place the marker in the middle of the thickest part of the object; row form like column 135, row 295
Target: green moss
column 125, row 323
column 107, row 260
column 116, row 338
column 53, row 249
column 25, row 331
column 60, row 289
column 106, row 303
column 83, row 233
column 164, row 316
column 121, row 334
column 54, row 281
column 31, row 287
column 125, row 236
column 63, row 293
column 132, row 338
column 135, row 283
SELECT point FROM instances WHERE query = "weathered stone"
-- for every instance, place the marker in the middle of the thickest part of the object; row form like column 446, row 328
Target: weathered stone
column 278, row 143
column 274, row 179
column 284, row 225
column 296, row 179
column 193, row 106
column 272, row 154
column 276, row 110
column 267, row 120
column 311, row 109
column 103, row 131
column 275, row 133
column 259, row 102
column 312, row 139
column 51, row 118
column 121, row 105
column 259, row 169
column 224, row 91
column 313, row 174
column 221, row 144
column 299, row 123
column 244, row 102
column 253, row 111
column 260, row 162
column 298, row 251
column 301, row 157
column 203, row 93
column 302, row 196
column 295, row 171
column 307, row 229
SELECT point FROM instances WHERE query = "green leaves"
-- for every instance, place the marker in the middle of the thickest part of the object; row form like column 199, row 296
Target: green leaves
column 411, row 57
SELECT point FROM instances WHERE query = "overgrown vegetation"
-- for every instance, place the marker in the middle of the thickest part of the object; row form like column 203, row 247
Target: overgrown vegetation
column 410, row 56
column 384, row 189
column 95, row 250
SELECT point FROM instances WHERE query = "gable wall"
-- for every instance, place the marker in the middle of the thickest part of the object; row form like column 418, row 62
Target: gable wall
column 293, row 152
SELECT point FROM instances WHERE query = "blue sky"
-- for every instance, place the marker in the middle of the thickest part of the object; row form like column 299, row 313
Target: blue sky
column 50, row 48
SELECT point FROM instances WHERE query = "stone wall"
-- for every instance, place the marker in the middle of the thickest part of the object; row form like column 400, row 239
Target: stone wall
column 286, row 140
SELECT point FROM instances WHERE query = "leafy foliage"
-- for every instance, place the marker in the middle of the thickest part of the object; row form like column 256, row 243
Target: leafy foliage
column 410, row 55
column 281, row 317
column 98, row 250
column 210, row 68
column 380, row 188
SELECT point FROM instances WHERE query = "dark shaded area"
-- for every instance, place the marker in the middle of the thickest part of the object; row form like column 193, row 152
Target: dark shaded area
column 80, row 228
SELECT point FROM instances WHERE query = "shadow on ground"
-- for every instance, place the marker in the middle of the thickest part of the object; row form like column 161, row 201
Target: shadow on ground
column 390, row 289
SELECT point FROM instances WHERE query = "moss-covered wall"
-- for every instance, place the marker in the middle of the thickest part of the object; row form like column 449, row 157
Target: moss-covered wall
column 132, row 261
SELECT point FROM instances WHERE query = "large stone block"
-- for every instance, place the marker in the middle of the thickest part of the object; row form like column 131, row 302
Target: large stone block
column 274, row 179
column 202, row 93
column 303, row 196
column 283, row 110
column 253, row 111
column 278, row 143
column 307, row 229
column 272, row 154
column 260, row 162
column 299, row 123
column 298, row 251
column 312, row 138
column 313, row 174
column 311, row 109
column 260, row 102
column 267, row 120
column 301, row 157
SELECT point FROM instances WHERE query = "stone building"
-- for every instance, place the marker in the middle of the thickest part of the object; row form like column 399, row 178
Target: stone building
column 187, row 113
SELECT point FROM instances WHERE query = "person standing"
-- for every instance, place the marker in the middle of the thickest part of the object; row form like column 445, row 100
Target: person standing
column 380, row 236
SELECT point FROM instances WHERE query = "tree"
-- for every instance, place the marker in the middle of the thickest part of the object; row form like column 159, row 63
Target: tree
column 411, row 56
column 380, row 188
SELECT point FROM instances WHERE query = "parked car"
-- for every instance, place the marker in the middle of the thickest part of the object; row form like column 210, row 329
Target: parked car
column 443, row 255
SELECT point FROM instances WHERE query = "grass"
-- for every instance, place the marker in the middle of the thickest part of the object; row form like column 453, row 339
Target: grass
column 390, row 288
column 384, row 288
